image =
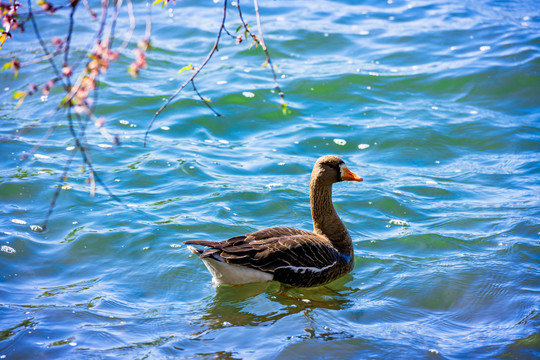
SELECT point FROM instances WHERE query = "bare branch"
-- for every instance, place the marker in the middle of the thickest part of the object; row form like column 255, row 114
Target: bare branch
column 89, row 9
column 36, row 147
column 265, row 49
column 40, row 40
column 131, row 26
column 148, row 29
column 81, row 90
column 197, row 71
column 206, row 102
column 57, row 191
column 70, row 32
column 260, row 40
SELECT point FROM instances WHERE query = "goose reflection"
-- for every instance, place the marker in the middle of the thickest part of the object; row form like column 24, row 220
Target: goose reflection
column 266, row 303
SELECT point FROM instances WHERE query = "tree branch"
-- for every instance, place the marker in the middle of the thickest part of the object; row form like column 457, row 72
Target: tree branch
column 265, row 49
column 206, row 102
column 197, row 71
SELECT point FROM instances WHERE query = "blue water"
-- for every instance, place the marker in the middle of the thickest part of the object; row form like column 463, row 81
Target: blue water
column 434, row 103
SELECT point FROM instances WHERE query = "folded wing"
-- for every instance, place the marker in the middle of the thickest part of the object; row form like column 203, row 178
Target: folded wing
column 293, row 256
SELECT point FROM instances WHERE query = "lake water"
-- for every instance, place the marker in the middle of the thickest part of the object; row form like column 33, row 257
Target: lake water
column 435, row 103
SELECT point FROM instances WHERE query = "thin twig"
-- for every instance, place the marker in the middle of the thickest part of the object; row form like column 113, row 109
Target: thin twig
column 63, row 177
column 44, row 138
column 57, row 190
column 104, row 5
column 117, row 5
column 40, row 59
column 131, row 26
column 89, row 9
column 88, row 162
column 40, row 12
column 260, row 40
column 228, row 33
column 265, row 49
column 148, row 29
column 206, row 102
column 40, row 40
column 80, row 137
column 70, row 32
column 197, row 71
column 36, row 147
column 84, row 54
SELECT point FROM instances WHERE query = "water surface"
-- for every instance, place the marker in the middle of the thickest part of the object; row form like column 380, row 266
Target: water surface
column 434, row 103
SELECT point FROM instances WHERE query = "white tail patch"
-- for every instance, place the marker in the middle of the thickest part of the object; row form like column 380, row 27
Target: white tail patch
column 224, row 273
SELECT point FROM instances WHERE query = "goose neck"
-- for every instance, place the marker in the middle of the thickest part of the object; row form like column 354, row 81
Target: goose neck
column 326, row 221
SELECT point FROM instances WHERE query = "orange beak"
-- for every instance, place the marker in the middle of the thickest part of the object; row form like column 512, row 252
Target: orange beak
column 348, row 175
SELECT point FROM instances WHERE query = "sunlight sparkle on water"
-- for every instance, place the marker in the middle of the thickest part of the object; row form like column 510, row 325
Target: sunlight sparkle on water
column 8, row 249
column 36, row 228
column 435, row 106
column 41, row 156
column 399, row 222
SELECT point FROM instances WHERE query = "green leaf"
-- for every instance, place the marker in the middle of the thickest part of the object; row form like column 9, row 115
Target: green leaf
column 284, row 109
column 19, row 94
column 3, row 38
column 188, row 67
column 6, row 66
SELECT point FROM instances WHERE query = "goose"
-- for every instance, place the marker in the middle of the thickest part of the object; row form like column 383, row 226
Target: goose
column 291, row 256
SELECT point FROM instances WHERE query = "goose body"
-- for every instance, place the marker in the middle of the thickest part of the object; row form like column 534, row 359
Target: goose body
column 291, row 256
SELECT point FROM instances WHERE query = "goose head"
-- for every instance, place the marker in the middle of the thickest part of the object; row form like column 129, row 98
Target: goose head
column 331, row 169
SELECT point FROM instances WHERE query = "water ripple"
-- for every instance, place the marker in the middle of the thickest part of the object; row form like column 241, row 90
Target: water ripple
column 433, row 103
